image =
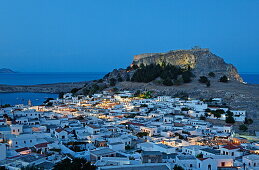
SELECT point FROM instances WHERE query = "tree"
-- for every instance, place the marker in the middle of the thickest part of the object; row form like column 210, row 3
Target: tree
column 177, row 167
column 120, row 79
column 112, row 82
column 230, row 119
column 167, row 82
column 142, row 134
column 243, row 127
column 223, row 79
column 2, row 168
column 127, row 147
column 200, row 155
column 142, row 66
column 203, row 79
column 202, row 117
column 187, row 75
column 207, row 110
column 211, row 74
column 60, row 95
column 185, row 109
column 127, row 78
column 248, row 121
column 77, row 163
column 220, row 111
column 29, row 168
column 208, row 83
column 5, row 105
column 134, row 67
column 128, row 68
column 148, row 73
column 100, row 81
column 229, row 113
column 74, row 90
column 137, row 93
column 216, row 114
column 49, row 104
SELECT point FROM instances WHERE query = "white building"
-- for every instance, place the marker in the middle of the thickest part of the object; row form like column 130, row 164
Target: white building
column 251, row 162
column 2, row 151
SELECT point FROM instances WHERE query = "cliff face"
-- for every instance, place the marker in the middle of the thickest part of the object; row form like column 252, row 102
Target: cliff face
column 202, row 61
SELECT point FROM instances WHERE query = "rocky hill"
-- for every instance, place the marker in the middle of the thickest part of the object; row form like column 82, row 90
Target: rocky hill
column 202, row 61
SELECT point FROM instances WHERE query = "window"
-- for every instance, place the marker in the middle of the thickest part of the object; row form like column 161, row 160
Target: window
column 199, row 165
column 232, row 153
column 222, row 164
column 13, row 130
column 190, row 165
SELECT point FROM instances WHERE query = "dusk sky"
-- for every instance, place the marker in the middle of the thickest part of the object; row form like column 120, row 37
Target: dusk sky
column 97, row 36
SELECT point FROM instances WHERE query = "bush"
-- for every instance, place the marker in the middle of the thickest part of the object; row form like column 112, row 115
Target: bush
column 76, row 163
column 100, row 81
column 167, row 72
column 187, row 76
column 177, row 167
column 74, row 90
column 211, row 74
column 167, row 82
column 223, row 79
column 134, row 67
column 112, row 82
column 202, row 117
column 248, row 121
column 200, row 155
column 218, row 113
column 208, row 83
column 127, row 147
column 5, row 106
column 185, row 109
column 120, row 79
column 203, row 79
column 230, row 119
column 142, row 134
column 243, row 127
column 60, row 95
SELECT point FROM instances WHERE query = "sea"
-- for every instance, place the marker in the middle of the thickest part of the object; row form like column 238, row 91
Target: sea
column 47, row 78
column 39, row 78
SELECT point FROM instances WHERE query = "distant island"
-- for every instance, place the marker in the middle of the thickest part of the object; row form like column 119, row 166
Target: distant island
column 6, row 70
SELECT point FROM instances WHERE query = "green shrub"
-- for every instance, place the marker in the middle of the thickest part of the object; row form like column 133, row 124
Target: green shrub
column 223, row 79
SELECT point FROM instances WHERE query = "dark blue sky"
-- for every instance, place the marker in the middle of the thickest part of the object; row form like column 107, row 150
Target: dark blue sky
column 99, row 35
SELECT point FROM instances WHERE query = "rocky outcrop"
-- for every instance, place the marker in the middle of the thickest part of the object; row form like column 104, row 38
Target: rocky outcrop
column 202, row 61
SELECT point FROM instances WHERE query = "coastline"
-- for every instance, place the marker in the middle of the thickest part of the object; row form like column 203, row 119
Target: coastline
column 42, row 88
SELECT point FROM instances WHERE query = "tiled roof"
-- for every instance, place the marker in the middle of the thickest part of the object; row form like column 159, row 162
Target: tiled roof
column 41, row 145
column 231, row 147
column 22, row 149
column 59, row 130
